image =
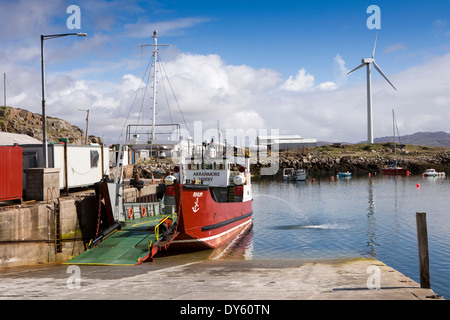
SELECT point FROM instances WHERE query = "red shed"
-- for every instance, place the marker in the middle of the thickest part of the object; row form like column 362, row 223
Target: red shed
column 10, row 173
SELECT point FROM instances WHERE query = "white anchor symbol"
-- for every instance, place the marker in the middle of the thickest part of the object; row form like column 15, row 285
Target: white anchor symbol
column 196, row 207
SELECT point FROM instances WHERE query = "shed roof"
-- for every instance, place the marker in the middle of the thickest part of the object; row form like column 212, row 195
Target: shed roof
column 9, row 139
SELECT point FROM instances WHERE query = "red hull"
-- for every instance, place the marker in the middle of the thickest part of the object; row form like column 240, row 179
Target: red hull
column 394, row 170
column 204, row 223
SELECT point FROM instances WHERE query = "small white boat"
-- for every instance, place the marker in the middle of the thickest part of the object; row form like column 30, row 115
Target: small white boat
column 432, row 173
column 300, row 175
column 289, row 174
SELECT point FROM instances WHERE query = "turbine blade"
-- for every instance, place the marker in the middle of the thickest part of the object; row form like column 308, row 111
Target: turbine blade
column 375, row 45
column 360, row 66
column 384, row 76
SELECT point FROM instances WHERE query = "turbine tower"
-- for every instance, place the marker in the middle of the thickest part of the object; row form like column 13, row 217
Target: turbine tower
column 367, row 62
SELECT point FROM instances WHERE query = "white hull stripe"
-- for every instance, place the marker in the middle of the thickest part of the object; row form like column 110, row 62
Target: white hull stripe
column 213, row 237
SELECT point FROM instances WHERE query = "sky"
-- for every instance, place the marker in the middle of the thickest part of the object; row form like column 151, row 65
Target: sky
column 245, row 65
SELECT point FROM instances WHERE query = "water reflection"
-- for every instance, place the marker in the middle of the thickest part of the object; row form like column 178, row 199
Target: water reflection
column 362, row 216
column 352, row 218
column 372, row 243
column 240, row 248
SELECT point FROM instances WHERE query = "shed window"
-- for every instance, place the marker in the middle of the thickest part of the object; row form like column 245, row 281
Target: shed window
column 94, row 158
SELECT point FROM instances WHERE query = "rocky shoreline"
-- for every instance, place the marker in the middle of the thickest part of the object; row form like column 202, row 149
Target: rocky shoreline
column 325, row 165
column 362, row 165
column 359, row 159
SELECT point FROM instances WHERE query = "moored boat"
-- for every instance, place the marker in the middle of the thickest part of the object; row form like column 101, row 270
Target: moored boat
column 432, row 173
column 300, row 175
column 289, row 174
column 344, row 174
column 395, row 169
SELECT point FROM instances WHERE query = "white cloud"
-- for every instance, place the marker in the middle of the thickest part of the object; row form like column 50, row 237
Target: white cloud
column 302, row 82
column 24, row 19
column 440, row 27
column 395, row 47
column 207, row 89
column 142, row 29
column 328, row 85
column 341, row 70
column 441, row 101
column 305, row 82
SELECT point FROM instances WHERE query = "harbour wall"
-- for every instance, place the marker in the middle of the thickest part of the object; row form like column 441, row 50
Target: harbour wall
column 29, row 232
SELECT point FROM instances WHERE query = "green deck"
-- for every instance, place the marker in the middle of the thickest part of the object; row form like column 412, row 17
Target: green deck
column 123, row 247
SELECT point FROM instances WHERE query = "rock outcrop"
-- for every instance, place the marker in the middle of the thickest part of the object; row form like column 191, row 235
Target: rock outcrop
column 22, row 121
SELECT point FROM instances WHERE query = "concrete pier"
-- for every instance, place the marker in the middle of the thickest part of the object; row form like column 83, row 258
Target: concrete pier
column 181, row 279
column 28, row 232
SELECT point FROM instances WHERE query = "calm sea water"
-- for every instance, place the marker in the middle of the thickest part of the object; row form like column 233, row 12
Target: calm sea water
column 361, row 216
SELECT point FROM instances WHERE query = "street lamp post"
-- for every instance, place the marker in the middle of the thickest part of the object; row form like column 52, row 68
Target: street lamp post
column 44, row 117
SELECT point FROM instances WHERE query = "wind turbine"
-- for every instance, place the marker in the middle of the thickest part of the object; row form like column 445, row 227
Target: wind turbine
column 367, row 62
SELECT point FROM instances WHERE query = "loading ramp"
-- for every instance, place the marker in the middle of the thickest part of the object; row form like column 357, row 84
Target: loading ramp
column 137, row 241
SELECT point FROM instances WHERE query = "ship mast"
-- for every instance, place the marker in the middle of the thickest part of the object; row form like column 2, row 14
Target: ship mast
column 155, row 55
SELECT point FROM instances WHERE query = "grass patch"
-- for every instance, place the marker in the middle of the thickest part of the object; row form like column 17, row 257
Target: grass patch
column 375, row 150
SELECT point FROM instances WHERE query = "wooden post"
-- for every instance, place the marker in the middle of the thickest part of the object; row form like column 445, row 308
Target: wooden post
column 422, row 241
column 66, row 169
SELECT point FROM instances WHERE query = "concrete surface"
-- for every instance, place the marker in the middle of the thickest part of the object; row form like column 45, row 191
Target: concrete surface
column 27, row 231
column 169, row 279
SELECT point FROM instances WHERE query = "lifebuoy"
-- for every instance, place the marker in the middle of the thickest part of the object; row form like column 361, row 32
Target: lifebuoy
column 143, row 211
column 130, row 213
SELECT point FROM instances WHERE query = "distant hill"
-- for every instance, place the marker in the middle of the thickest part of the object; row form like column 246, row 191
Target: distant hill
column 430, row 139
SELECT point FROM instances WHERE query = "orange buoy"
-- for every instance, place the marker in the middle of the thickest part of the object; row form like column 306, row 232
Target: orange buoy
column 143, row 211
column 130, row 213
column 418, row 185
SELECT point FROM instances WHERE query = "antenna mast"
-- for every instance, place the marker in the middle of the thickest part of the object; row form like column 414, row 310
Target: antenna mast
column 4, row 89
column 155, row 54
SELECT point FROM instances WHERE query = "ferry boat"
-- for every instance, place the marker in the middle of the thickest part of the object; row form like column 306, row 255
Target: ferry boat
column 205, row 203
column 209, row 191
column 213, row 197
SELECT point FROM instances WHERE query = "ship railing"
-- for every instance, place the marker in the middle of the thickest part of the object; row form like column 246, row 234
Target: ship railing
column 170, row 216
